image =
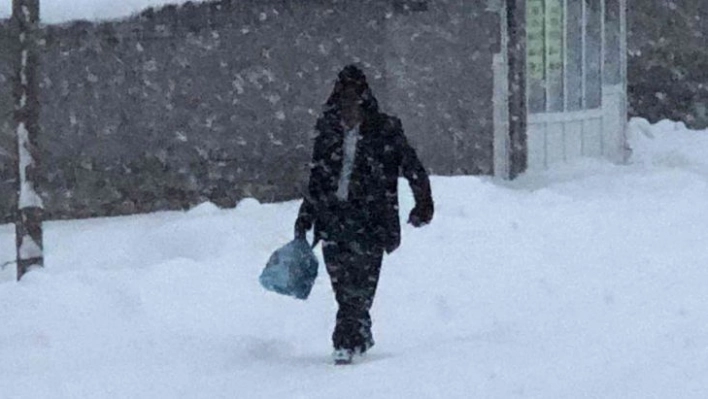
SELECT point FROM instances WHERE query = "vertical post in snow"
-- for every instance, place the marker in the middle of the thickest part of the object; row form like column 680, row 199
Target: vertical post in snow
column 28, row 223
column 516, row 28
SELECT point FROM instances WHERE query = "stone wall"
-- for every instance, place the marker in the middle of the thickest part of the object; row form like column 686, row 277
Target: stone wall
column 216, row 101
column 668, row 61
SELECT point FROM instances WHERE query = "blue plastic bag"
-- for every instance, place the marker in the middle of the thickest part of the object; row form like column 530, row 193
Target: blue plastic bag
column 291, row 270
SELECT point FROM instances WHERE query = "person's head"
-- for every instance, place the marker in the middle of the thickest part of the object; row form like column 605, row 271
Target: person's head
column 352, row 96
column 351, row 100
column 353, row 84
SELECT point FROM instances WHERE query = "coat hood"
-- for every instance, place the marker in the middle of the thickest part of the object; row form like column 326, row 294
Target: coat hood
column 351, row 74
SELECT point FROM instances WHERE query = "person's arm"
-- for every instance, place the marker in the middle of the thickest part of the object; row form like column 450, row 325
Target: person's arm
column 306, row 214
column 413, row 170
column 303, row 223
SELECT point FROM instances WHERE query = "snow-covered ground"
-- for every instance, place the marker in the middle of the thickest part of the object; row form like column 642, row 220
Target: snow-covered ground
column 586, row 282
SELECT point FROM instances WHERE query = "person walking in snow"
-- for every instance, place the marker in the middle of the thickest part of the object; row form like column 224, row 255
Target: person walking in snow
column 352, row 201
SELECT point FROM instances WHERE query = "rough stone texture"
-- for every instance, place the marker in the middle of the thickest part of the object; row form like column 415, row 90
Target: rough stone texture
column 8, row 184
column 217, row 101
column 668, row 62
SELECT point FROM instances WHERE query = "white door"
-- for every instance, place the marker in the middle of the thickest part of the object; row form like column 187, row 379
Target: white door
column 576, row 90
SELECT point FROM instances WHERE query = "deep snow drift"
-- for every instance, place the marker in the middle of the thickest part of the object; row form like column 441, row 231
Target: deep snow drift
column 589, row 281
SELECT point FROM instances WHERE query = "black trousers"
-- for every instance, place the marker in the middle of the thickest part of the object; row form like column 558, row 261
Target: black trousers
column 353, row 268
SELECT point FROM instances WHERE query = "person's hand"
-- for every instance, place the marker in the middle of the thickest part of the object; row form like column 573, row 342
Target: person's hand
column 301, row 227
column 420, row 215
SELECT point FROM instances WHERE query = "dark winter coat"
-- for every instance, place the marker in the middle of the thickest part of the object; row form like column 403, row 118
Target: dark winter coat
column 383, row 154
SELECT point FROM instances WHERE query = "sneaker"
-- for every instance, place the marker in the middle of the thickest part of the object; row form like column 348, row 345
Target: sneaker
column 367, row 345
column 342, row 356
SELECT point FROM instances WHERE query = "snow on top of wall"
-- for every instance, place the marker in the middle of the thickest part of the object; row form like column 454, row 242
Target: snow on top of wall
column 58, row 11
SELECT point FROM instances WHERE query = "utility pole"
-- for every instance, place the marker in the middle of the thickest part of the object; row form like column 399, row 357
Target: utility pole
column 30, row 212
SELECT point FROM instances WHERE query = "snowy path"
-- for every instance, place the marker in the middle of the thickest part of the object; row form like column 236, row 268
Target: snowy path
column 588, row 282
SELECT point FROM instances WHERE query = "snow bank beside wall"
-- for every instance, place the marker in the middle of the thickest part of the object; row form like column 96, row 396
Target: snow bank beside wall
column 59, row 11
column 668, row 144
